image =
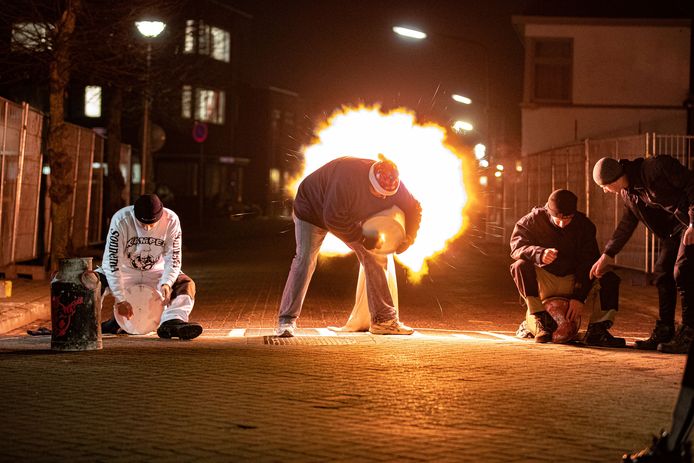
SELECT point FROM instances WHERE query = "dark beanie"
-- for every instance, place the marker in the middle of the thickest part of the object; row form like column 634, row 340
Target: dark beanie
column 562, row 202
column 148, row 209
column 606, row 171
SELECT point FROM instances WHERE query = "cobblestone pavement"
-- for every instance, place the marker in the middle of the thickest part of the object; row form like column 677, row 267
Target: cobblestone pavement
column 461, row 389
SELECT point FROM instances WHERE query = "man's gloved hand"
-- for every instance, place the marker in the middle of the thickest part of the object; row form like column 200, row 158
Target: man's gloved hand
column 125, row 309
column 371, row 241
column 404, row 246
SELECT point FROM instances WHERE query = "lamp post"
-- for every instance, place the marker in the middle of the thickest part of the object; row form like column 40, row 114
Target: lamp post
column 149, row 30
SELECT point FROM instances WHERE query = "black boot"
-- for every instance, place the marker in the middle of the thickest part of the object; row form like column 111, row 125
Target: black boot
column 659, row 453
column 679, row 343
column 179, row 329
column 545, row 326
column 110, row 326
column 662, row 333
column 597, row 335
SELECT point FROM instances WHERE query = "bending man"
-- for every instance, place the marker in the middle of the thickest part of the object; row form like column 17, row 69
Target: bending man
column 337, row 198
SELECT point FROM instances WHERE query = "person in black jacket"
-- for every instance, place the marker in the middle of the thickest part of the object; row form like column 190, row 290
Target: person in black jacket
column 554, row 247
column 658, row 191
column 675, row 445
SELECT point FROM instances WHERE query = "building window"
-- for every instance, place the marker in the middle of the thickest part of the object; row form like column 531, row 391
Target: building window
column 187, row 102
column 29, row 37
column 204, row 39
column 220, row 44
column 551, row 70
column 92, row 101
column 207, row 106
column 189, row 41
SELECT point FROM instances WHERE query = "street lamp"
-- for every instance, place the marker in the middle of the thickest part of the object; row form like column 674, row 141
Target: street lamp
column 463, row 126
column 149, row 30
column 461, row 99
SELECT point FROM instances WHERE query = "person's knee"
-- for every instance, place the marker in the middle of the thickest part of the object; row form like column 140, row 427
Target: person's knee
column 610, row 281
column 521, row 266
column 183, row 286
column 684, row 276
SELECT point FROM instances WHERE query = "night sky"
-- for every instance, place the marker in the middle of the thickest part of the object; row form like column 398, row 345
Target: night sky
column 343, row 52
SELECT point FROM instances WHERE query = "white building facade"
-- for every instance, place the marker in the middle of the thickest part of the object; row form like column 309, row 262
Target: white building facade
column 601, row 78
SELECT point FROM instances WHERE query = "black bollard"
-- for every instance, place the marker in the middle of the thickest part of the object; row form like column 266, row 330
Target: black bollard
column 75, row 306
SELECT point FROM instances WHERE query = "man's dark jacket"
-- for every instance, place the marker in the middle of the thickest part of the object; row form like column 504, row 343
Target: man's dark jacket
column 576, row 243
column 660, row 194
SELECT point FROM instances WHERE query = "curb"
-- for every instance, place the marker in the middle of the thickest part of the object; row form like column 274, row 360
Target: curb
column 14, row 315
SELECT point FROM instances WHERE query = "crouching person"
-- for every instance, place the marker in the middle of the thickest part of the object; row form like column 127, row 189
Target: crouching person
column 554, row 248
column 143, row 247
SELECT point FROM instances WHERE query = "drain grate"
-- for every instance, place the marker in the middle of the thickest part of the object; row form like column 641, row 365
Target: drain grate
column 309, row 341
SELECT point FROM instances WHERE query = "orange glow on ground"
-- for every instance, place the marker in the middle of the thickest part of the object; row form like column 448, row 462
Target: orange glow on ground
column 431, row 170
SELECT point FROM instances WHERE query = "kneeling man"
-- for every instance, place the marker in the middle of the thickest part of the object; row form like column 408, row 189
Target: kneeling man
column 554, row 248
column 144, row 247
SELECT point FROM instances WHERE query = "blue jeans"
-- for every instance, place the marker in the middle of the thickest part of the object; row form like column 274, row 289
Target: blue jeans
column 308, row 242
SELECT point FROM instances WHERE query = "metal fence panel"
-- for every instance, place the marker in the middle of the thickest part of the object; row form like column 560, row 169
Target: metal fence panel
column 27, row 211
column 20, row 164
column 96, row 192
column 571, row 166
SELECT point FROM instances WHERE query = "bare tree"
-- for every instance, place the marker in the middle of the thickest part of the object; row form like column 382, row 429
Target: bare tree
column 95, row 40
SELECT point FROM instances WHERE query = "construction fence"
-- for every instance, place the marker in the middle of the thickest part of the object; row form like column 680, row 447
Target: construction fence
column 570, row 167
column 25, row 228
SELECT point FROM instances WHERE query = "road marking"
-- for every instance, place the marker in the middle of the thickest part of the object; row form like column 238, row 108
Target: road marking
column 501, row 336
column 237, row 333
column 462, row 336
column 325, row 332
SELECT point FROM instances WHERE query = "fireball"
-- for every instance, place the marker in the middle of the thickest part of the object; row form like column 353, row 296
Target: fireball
column 431, row 170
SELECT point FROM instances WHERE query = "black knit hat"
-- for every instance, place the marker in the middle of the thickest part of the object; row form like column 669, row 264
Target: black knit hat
column 606, row 171
column 148, row 209
column 562, row 203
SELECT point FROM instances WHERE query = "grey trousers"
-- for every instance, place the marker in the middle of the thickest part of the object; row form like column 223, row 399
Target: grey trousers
column 308, row 242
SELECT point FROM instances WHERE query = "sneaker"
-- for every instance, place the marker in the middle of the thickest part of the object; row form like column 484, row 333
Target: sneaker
column 179, row 329
column 658, row 452
column 285, row 330
column 393, row 326
column 679, row 343
column 597, row 335
column 662, row 333
column 523, row 332
column 543, row 330
column 110, row 326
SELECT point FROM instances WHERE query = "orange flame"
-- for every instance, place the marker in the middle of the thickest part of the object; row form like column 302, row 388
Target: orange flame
column 431, row 170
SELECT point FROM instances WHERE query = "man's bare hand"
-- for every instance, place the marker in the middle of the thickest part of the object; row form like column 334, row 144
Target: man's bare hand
column 125, row 309
column 688, row 238
column 601, row 266
column 549, row 255
column 166, row 293
column 575, row 310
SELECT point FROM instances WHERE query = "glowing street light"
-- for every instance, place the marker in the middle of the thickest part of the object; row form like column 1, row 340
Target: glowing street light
column 480, row 151
column 499, row 167
column 463, row 126
column 461, row 99
column 409, row 33
column 484, row 163
column 150, row 29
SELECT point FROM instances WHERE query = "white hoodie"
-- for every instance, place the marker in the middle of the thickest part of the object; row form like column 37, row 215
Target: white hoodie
column 134, row 255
